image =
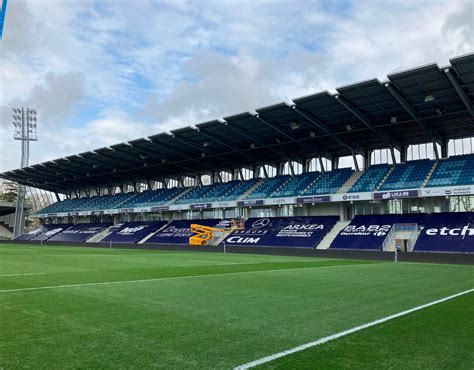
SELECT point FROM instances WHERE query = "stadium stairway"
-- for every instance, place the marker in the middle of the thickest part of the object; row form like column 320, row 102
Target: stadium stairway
column 311, row 184
column 125, row 200
column 350, row 182
column 149, row 235
column 180, row 195
column 331, row 235
column 251, row 189
column 98, row 237
column 385, row 178
column 435, row 164
column 5, row 231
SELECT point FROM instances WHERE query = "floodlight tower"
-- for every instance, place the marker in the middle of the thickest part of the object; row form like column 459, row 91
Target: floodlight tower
column 25, row 129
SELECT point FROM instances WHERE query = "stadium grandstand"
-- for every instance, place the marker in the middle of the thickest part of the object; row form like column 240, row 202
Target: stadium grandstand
column 374, row 166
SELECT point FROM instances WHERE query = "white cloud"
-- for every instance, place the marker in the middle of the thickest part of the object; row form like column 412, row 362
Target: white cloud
column 99, row 72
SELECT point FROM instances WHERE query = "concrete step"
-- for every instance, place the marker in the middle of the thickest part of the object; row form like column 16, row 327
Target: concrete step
column 153, row 233
column 429, row 174
column 98, row 237
column 5, row 233
column 180, row 195
column 251, row 189
column 331, row 235
column 351, row 181
column 311, row 184
column 385, row 177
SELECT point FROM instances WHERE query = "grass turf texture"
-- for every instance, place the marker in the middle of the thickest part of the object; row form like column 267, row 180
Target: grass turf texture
column 439, row 337
column 226, row 310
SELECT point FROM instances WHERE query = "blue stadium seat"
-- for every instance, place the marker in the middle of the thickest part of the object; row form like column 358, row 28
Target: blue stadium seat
column 151, row 198
column 455, row 170
column 329, row 182
column 408, row 175
column 371, row 178
column 267, row 187
column 296, row 185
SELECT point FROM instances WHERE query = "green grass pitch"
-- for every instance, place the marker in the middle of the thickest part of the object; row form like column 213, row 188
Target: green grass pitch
column 117, row 308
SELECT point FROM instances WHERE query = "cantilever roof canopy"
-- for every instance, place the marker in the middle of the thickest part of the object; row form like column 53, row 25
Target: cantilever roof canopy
column 415, row 106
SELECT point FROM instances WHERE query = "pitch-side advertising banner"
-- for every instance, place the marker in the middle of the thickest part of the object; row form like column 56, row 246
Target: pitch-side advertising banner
column 178, row 232
column 51, row 231
column 36, row 234
column 132, row 232
column 302, row 232
column 447, row 232
column 80, row 232
column 370, row 231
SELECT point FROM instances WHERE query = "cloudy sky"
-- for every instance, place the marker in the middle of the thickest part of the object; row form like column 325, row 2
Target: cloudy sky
column 101, row 72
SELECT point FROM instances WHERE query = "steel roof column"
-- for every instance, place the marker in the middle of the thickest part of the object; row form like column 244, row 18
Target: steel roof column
column 321, row 164
column 403, row 153
column 392, row 153
column 444, row 148
column 367, row 158
column 356, row 164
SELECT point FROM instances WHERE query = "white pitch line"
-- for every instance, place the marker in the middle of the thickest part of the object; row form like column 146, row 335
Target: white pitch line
column 173, row 278
column 318, row 342
column 26, row 274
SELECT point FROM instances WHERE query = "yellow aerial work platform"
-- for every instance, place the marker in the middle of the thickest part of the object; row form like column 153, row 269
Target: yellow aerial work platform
column 203, row 234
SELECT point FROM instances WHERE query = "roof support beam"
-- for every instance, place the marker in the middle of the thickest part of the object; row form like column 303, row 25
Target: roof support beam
column 435, row 136
column 321, row 164
column 175, row 151
column 53, row 175
column 389, row 139
column 356, row 164
column 325, row 128
column 78, row 165
column 36, row 175
column 85, row 172
column 120, row 162
column 198, row 147
column 128, row 155
column 392, row 153
column 459, row 90
column 254, row 138
column 275, row 127
column 222, row 142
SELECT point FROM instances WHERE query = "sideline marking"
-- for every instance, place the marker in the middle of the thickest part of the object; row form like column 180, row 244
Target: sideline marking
column 329, row 338
column 26, row 274
column 175, row 278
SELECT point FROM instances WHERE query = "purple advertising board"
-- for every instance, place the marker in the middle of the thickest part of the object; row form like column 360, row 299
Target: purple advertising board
column 447, row 232
column 80, row 232
column 300, row 232
column 132, row 232
column 398, row 194
column 201, row 206
column 52, row 230
column 159, row 208
column 40, row 230
column 368, row 232
column 178, row 232
column 249, row 202
column 313, row 199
